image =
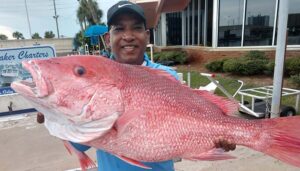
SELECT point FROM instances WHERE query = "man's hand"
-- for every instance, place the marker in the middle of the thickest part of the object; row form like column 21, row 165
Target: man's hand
column 226, row 145
column 40, row 118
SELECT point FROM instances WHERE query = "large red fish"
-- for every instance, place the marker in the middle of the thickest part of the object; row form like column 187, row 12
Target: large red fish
column 141, row 114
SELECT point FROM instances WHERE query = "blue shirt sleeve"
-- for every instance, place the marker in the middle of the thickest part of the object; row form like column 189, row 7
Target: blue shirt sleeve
column 80, row 147
column 109, row 162
column 159, row 66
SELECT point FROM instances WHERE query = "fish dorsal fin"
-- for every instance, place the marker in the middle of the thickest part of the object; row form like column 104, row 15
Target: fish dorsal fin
column 229, row 107
column 212, row 155
column 160, row 72
column 133, row 162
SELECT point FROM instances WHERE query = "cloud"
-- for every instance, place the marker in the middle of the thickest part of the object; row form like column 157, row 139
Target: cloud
column 6, row 31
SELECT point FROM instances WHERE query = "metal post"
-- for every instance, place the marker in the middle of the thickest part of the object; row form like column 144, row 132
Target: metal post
column 215, row 23
column 243, row 23
column 30, row 34
column 183, row 27
column 297, row 103
column 279, row 60
column 205, row 23
column 55, row 17
column 199, row 15
column 193, row 22
column 164, row 29
column 275, row 22
column 189, row 76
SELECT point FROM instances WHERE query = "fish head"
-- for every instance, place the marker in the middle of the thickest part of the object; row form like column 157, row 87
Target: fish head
column 73, row 91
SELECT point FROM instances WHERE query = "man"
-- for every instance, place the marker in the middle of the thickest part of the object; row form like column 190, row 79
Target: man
column 127, row 40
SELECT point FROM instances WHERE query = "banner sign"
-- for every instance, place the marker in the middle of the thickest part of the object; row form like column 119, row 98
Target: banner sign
column 11, row 64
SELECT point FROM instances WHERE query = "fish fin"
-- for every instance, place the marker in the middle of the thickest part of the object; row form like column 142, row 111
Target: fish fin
column 212, row 155
column 161, row 72
column 125, row 119
column 67, row 145
column 85, row 161
column 228, row 106
column 133, row 162
column 283, row 141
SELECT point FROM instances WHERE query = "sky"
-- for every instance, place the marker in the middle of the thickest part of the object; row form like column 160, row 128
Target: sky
column 40, row 12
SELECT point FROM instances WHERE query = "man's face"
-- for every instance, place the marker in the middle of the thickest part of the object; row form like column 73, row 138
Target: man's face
column 128, row 39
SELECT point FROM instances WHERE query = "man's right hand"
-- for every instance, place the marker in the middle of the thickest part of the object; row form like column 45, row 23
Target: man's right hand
column 40, row 118
column 225, row 145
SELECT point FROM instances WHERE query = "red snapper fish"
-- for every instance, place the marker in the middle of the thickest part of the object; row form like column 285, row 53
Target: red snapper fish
column 142, row 114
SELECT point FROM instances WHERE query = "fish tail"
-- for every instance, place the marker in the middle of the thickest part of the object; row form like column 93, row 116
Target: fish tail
column 283, row 141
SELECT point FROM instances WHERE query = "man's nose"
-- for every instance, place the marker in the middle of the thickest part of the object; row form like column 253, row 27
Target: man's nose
column 128, row 35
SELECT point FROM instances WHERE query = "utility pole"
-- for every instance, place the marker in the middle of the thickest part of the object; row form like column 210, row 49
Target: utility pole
column 56, row 17
column 30, row 34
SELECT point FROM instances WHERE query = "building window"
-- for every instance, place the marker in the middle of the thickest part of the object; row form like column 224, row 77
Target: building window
column 294, row 23
column 259, row 22
column 230, row 22
column 174, row 28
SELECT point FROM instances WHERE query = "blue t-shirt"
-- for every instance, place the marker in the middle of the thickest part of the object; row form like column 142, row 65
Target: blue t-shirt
column 109, row 162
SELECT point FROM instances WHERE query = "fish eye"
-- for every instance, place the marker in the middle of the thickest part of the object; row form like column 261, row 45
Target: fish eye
column 79, row 70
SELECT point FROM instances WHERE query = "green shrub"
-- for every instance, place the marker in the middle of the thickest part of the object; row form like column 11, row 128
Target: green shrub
column 295, row 79
column 231, row 65
column 252, row 67
column 256, row 55
column 215, row 66
column 269, row 69
column 292, row 66
column 176, row 57
column 244, row 66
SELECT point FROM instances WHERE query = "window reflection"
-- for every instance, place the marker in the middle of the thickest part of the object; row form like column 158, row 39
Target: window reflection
column 259, row 22
column 294, row 23
column 230, row 22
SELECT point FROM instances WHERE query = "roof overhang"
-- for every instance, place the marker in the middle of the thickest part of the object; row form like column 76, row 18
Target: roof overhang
column 153, row 8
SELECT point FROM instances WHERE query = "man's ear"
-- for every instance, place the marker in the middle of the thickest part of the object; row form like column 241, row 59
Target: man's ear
column 107, row 39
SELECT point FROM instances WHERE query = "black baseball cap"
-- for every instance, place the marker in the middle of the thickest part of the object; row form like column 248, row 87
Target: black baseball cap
column 125, row 6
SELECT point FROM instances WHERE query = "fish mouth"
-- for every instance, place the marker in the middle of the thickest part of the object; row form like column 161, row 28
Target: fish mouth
column 37, row 87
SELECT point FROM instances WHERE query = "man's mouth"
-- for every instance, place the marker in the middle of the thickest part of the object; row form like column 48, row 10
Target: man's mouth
column 37, row 87
column 129, row 47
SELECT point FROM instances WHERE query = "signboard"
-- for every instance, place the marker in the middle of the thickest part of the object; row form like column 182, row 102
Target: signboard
column 11, row 64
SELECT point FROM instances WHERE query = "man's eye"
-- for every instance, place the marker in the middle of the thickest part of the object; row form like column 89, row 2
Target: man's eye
column 118, row 29
column 138, row 27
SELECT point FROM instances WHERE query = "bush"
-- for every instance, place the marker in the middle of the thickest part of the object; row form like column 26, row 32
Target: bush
column 231, row 65
column 253, row 63
column 256, row 55
column 215, row 66
column 295, row 79
column 170, row 57
column 242, row 66
column 269, row 70
column 252, row 67
column 292, row 66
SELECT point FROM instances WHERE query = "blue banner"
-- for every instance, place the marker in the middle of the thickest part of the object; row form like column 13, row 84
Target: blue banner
column 11, row 66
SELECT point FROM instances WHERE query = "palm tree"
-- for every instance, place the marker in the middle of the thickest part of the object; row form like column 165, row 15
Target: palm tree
column 88, row 13
column 3, row 37
column 49, row 35
column 18, row 35
column 36, row 36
